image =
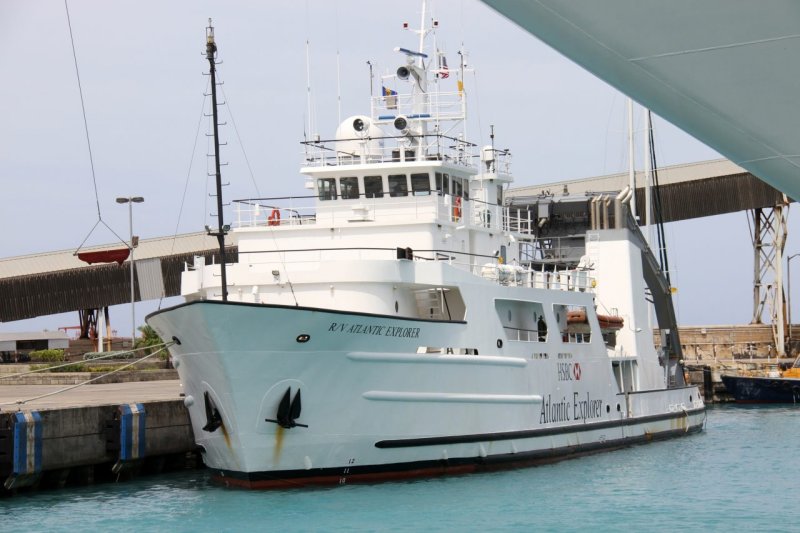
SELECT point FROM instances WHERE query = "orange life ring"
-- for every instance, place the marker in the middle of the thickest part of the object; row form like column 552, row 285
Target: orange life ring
column 457, row 208
column 274, row 218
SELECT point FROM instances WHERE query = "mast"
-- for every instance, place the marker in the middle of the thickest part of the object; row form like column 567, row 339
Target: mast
column 631, row 169
column 211, row 51
column 420, row 64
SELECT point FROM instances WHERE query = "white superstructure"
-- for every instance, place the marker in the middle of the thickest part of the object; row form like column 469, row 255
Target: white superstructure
column 392, row 324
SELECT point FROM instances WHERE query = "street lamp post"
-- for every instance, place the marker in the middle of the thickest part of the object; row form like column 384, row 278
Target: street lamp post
column 789, row 290
column 130, row 200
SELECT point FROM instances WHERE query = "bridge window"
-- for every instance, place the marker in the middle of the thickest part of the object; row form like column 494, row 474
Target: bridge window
column 442, row 183
column 420, row 184
column 349, row 188
column 326, row 188
column 373, row 186
column 398, row 185
column 458, row 188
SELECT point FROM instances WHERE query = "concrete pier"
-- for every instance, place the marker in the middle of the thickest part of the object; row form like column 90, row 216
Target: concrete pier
column 91, row 433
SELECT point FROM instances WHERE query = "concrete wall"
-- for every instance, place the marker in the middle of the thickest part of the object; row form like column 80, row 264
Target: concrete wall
column 733, row 342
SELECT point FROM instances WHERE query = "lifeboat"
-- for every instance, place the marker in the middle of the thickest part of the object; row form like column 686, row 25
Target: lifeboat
column 105, row 256
column 606, row 321
column 577, row 317
column 610, row 321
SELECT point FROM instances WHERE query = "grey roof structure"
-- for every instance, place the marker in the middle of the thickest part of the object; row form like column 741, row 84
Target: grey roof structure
column 58, row 282
column 687, row 191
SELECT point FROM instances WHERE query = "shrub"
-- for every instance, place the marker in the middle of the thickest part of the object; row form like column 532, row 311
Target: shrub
column 47, row 356
column 77, row 367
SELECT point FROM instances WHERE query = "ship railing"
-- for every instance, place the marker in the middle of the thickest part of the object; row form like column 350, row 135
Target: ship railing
column 437, row 107
column 424, row 205
column 577, row 280
column 410, row 147
column 507, row 275
column 418, row 206
column 553, row 249
column 523, row 335
column 363, row 208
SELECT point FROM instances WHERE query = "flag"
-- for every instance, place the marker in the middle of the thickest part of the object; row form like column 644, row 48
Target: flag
column 444, row 72
column 390, row 97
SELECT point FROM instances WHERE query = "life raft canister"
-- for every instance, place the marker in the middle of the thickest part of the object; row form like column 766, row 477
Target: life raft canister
column 457, row 208
column 274, row 218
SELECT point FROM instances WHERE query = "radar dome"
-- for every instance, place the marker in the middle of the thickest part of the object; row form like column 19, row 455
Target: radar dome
column 359, row 136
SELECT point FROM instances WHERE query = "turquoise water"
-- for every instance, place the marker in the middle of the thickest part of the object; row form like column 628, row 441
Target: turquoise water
column 739, row 473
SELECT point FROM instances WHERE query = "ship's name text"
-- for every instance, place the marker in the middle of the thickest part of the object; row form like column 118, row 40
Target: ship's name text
column 563, row 410
column 376, row 330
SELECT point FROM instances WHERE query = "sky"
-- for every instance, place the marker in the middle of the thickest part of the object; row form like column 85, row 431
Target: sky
column 141, row 68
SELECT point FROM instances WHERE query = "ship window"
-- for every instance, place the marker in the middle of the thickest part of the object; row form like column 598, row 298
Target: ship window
column 349, row 188
column 421, row 184
column 439, row 182
column 326, row 187
column 458, row 189
column 373, row 186
column 499, row 195
column 446, row 183
column 573, row 323
column 398, row 185
column 522, row 320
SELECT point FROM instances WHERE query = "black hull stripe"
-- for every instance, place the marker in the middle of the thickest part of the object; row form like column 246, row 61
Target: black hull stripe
column 530, row 433
column 302, row 308
column 430, row 468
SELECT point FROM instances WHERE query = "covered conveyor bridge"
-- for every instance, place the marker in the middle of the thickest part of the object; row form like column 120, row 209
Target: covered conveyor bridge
column 59, row 282
column 687, row 191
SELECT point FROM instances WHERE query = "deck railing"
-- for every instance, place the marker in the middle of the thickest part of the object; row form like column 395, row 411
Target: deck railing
column 420, row 206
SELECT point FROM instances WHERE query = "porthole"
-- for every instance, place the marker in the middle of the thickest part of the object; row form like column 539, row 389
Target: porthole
column 608, row 408
column 303, row 337
column 396, row 307
column 690, row 399
column 618, row 409
column 499, row 343
column 509, row 315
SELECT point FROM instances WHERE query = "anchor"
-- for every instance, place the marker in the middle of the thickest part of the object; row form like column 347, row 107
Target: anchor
column 213, row 418
column 288, row 411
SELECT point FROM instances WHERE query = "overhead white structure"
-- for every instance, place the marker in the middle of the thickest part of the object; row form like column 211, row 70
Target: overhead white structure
column 720, row 69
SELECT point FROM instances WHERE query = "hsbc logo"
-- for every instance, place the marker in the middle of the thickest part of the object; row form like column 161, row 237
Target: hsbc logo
column 569, row 372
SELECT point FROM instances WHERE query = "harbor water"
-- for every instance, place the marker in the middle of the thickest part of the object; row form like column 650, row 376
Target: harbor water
column 740, row 473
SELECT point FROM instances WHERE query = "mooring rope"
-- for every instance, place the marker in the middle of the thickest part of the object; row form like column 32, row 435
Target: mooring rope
column 123, row 367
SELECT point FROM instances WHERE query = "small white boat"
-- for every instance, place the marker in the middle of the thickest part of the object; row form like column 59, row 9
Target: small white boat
column 396, row 323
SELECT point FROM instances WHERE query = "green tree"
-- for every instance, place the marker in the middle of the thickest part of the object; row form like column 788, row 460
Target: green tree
column 150, row 340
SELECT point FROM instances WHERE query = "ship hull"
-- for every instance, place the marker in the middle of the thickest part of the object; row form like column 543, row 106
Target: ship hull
column 374, row 407
column 763, row 390
column 448, row 467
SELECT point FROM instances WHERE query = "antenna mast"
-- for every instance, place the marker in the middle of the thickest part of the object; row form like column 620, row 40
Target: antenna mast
column 211, row 52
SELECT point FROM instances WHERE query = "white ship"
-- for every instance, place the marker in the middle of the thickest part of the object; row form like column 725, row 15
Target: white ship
column 398, row 323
